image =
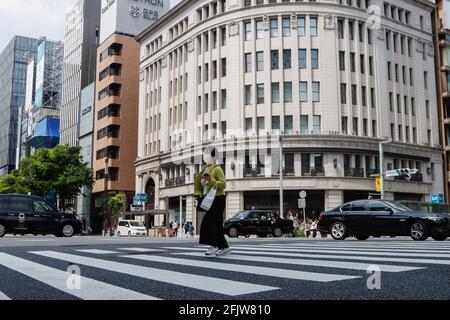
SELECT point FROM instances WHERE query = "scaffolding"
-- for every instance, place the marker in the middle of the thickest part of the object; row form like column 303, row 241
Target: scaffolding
column 54, row 56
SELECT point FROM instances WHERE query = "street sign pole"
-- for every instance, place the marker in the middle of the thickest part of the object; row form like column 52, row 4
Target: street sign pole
column 281, row 179
column 302, row 204
column 180, row 234
column 382, row 170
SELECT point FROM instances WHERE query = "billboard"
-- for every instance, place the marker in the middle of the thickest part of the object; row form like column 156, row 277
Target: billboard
column 40, row 69
column 29, row 86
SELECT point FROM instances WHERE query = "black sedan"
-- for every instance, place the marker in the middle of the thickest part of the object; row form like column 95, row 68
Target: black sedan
column 365, row 218
column 257, row 222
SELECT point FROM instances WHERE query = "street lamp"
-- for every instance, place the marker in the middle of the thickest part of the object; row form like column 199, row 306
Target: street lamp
column 381, row 149
column 105, row 196
column 180, row 233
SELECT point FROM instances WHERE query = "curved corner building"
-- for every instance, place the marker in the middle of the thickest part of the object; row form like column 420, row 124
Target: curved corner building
column 334, row 78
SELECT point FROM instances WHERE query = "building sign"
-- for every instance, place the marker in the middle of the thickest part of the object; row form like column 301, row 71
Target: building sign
column 437, row 198
column 130, row 16
column 86, row 110
column 40, row 69
column 30, row 85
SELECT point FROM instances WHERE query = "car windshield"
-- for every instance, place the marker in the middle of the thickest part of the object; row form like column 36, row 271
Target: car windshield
column 240, row 215
column 398, row 206
column 136, row 224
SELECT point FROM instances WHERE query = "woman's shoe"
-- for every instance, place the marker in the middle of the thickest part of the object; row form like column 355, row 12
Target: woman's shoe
column 223, row 252
column 212, row 251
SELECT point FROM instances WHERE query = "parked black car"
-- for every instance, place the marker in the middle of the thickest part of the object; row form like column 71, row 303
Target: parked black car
column 20, row 214
column 257, row 222
column 366, row 218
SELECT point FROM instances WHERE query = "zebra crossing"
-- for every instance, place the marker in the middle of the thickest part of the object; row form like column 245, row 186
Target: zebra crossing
column 251, row 270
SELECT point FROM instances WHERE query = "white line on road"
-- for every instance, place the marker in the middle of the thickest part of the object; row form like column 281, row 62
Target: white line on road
column 90, row 289
column 263, row 271
column 99, row 252
column 363, row 249
column 3, row 297
column 140, row 250
column 210, row 284
column 327, row 250
column 346, row 257
column 316, row 263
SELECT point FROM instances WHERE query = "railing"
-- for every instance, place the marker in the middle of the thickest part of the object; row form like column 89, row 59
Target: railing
column 175, row 182
column 354, row 172
column 370, row 172
column 314, row 172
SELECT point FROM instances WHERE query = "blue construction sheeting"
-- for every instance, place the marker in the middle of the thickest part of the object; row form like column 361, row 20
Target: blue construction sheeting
column 46, row 134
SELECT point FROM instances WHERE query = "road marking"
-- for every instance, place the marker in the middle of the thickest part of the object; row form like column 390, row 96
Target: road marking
column 90, row 289
column 99, row 252
column 317, row 263
column 346, row 257
column 374, row 246
column 366, row 249
column 216, row 285
column 319, row 250
column 140, row 250
column 184, row 248
column 263, row 271
column 3, row 297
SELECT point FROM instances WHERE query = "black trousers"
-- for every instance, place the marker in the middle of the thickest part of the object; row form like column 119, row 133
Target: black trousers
column 212, row 233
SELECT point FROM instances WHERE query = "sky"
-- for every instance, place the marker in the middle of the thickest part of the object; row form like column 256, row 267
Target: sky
column 34, row 18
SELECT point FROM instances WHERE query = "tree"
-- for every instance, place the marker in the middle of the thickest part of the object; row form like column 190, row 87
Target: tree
column 59, row 170
column 116, row 204
column 13, row 183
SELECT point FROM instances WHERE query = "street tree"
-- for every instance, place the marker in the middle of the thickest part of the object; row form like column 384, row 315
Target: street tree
column 13, row 183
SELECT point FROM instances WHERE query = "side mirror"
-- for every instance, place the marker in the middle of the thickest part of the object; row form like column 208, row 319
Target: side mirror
column 390, row 210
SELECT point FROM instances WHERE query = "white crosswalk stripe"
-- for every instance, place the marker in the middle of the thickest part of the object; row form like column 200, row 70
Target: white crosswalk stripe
column 316, row 263
column 141, row 250
column 89, row 289
column 99, row 252
column 211, row 284
column 3, row 297
column 264, row 271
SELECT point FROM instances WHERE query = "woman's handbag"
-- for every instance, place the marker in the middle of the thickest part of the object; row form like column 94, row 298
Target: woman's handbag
column 207, row 202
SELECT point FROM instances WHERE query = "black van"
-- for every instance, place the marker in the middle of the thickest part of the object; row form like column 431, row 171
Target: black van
column 21, row 214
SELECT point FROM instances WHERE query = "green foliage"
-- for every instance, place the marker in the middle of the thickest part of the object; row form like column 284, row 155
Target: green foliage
column 116, row 204
column 60, row 169
column 298, row 233
column 13, row 184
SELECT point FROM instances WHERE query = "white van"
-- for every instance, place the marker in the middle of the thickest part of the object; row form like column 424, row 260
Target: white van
column 131, row 228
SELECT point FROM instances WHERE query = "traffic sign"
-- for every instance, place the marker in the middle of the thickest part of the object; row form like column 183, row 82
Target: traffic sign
column 141, row 197
column 303, row 194
column 437, row 198
column 301, row 203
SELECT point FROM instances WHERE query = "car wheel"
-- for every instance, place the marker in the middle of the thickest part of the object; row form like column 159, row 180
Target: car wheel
column 338, row 231
column 419, row 231
column 233, row 232
column 277, row 232
column 362, row 238
column 2, row 231
column 68, row 231
column 440, row 237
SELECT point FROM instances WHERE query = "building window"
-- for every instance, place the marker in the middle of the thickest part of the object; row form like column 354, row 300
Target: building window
column 248, row 62
column 317, row 125
column 275, row 92
column 273, row 27
column 343, row 93
column 303, row 91
column 287, row 59
column 344, row 124
column 302, row 63
column 315, row 59
column 259, row 29
column 313, row 26
column 288, row 124
column 301, row 26
column 260, row 93
column 260, row 61
column 248, row 95
column 276, row 125
column 342, row 60
column 288, row 92
column 248, row 126
column 316, row 91
column 286, row 27
column 274, row 59
column 248, row 31
column 304, row 125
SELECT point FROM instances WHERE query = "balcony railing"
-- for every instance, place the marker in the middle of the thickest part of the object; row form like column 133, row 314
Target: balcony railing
column 370, row 172
column 249, row 171
column 354, row 172
column 314, row 172
column 175, row 182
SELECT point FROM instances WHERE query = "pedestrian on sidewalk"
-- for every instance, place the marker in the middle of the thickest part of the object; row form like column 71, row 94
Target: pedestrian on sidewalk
column 212, row 232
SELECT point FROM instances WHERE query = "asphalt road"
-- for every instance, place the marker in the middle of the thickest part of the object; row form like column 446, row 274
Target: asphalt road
column 38, row 268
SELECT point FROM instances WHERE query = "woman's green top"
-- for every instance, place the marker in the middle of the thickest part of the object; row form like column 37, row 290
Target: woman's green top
column 217, row 178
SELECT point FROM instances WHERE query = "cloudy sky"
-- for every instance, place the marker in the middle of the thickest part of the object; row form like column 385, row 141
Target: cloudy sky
column 33, row 18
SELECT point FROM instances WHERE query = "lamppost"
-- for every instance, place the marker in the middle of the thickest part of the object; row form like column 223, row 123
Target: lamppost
column 105, row 197
column 281, row 178
column 381, row 149
column 180, row 233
